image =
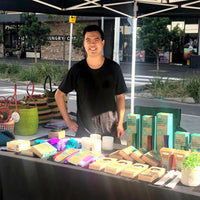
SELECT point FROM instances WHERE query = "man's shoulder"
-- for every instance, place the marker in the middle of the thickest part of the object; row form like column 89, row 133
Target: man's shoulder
column 112, row 64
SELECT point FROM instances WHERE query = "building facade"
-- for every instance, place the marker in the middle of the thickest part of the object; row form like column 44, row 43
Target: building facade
column 60, row 36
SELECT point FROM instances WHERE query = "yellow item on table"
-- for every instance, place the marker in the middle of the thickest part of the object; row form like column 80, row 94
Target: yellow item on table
column 18, row 145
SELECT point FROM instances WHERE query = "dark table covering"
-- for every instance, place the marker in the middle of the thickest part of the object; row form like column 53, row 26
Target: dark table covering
column 27, row 178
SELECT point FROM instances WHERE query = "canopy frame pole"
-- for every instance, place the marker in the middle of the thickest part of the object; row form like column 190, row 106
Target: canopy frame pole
column 134, row 35
column 116, row 40
column 187, row 5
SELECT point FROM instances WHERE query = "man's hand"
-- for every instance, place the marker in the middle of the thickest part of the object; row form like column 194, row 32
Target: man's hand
column 72, row 125
column 59, row 96
column 120, row 131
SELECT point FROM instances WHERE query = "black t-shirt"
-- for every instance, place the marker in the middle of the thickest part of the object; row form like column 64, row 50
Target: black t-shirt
column 96, row 89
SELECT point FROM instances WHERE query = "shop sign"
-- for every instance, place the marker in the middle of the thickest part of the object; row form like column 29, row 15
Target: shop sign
column 60, row 38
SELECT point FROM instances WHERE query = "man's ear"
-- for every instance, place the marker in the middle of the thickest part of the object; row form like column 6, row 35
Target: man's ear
column 103, row 42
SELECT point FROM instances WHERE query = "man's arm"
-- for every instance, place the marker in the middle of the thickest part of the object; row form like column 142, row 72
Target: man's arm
column 59, row 96
column 120, row 100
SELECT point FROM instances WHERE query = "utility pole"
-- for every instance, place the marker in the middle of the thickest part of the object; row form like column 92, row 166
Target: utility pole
column 72, row 20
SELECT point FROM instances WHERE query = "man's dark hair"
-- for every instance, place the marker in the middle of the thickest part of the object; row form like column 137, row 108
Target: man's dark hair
column 91, row 28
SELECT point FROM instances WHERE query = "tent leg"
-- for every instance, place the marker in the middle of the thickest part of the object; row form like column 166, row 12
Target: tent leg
column 134, row 32
column 116, row 40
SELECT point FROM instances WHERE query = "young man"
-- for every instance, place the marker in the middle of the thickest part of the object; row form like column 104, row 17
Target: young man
column 100, row 89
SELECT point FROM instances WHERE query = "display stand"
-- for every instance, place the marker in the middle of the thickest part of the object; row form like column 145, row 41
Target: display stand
column 23, row 178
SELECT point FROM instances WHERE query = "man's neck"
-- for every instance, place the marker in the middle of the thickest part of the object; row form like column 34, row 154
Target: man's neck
column 95, row 62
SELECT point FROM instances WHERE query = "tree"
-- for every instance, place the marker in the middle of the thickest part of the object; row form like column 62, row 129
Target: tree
column 34, row 33
column 78, row 41
column 154, row 36
column 177, row 43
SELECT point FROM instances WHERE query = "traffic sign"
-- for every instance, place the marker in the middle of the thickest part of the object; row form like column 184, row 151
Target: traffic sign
column 72, row 19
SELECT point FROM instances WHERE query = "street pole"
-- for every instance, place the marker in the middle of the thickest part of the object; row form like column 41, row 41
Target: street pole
column 116, row 40
column 198, row 36
column 134, row 32
column 70, row 46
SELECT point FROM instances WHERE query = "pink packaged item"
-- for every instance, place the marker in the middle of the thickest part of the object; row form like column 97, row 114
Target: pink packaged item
column 86, row 161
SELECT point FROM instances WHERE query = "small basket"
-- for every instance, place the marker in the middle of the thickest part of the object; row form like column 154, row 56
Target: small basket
column 7, row 126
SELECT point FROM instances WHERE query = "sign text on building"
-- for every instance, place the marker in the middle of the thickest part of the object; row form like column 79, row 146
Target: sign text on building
column 60, row 37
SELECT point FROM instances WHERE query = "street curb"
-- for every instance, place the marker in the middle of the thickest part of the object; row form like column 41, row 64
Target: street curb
column 188, row 100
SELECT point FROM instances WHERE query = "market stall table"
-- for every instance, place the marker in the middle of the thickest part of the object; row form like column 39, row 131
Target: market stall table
column 29, row 178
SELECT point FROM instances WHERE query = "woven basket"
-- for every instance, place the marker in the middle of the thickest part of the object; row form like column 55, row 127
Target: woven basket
column 50, row 94
column 7, row 126
column 28, row 123
column 44, row 112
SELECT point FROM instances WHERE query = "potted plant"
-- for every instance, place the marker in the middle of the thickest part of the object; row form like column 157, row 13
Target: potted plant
column 190, row 172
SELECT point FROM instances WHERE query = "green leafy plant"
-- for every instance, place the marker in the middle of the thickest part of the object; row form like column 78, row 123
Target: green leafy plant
column 39, row 71
column 193, row 88
column 34, row 33
column 78, row 41
column 192, row 161
column 35, row 73
column 154, row 36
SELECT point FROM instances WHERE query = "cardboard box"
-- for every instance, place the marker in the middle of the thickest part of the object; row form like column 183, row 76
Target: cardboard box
column 181, row 140
column 164, row 136
column 55, row 133
column 101, row 163
column 134, row 130
column 137, row 155
column 195, row 142
column 61, row 156
column 117, row 167
column 126, row 153
column 44, row 150
column 167, row 156
column 116, row 155
column 18, row 145
column 151, row 174
column 152, row 158
column 180, row 156
column 147, row 130
column 134, row 170
column 76, row 158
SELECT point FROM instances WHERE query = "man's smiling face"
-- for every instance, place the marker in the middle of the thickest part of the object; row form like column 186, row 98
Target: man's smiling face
column 93, row 43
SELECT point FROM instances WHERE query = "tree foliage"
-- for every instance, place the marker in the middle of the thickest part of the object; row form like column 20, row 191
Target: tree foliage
column 177, row 38
column 154, row 36
column 34, row 33
column 78, row 41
